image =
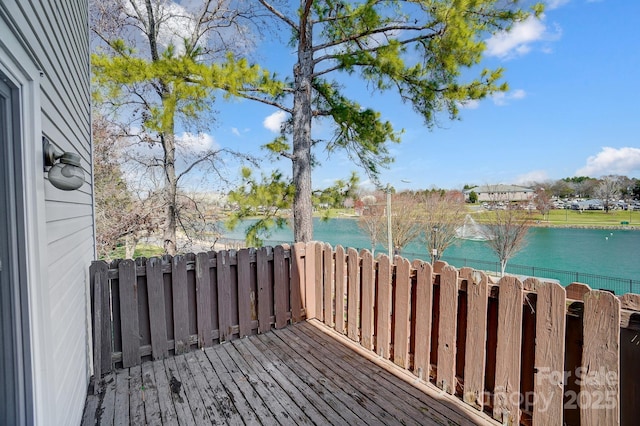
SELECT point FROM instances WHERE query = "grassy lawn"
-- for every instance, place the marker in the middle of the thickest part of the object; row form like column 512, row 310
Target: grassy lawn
column 587, row 218
column 142, row 250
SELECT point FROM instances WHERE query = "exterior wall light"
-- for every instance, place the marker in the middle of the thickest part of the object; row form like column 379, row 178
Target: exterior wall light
column 65, row 172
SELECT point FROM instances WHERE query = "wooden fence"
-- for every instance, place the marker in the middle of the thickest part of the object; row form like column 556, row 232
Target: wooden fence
column 525, row 352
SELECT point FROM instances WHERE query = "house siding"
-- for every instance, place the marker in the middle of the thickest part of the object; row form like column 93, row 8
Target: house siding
column 55, row 35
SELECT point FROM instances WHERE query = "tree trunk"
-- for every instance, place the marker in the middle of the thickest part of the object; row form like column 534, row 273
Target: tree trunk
column 130, row 243
column 167, row 139
column 302, row 115
column 169, row 190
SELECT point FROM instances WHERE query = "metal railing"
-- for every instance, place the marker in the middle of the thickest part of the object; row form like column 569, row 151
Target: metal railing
column 601, row 282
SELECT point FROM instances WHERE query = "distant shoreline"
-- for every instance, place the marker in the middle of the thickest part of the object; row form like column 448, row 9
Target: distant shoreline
column 576, row 226
column 542, row 224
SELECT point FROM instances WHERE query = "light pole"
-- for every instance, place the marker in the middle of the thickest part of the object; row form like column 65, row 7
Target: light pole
column 389, row 233
column 434, row 251
column 629, row 203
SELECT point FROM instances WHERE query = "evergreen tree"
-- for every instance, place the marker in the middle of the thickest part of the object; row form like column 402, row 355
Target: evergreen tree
column 416, row 49
column 168, row 81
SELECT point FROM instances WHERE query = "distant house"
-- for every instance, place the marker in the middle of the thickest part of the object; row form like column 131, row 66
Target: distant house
column 47, row 234
column 500, row 192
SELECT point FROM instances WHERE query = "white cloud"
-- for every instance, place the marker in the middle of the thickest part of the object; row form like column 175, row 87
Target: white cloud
column 554, row 4
column 530, row 177
column 503, row 98
column 518, row 40
column 612, row 161
column 274, row 121
column 235, row 131
column 175, row 23
column 470, row 104
column 196, row 142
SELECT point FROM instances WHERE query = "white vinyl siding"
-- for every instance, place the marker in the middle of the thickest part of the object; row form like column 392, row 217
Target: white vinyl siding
column 54, row 35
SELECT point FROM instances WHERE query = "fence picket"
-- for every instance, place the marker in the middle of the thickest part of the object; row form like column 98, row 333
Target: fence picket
column 180, row 303
column 157, row 314
column 368, row 299
column 101, row 269
column 203, row 299
column 327, row 278
column 353, row 294
column 244, row 292
column 340, row 289
column 223, row 270
column 549, row 357
column 97, row 328
column 383, row 333
column 281, row 285
column 476, row 336
column 264, row 290
column 401, row 312
column 297, row 281
column 129, row 308
column 506, row 407
column 424, row 306
column 447, row 330
column 576, row 291
column 309, row 274
column 599, row 397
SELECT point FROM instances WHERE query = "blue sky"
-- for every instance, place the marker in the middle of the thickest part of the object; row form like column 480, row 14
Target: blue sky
column 574, row 80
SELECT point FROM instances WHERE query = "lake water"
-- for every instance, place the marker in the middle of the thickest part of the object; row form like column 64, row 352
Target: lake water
column 610, row 253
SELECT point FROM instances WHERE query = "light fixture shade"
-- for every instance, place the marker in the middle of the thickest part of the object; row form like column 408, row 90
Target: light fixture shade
column 66, row 176
column 65, row 172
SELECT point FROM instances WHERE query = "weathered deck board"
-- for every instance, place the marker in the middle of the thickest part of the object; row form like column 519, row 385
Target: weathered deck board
column 315, row 408
column 121, row 415
column 150, row 395
column 384, row 404
column 302, row 374
column 445, row 410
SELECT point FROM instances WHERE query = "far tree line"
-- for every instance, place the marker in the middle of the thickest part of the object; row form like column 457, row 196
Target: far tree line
column 609, row 189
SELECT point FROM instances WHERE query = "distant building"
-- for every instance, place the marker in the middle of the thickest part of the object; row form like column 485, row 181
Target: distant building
column 501, row 192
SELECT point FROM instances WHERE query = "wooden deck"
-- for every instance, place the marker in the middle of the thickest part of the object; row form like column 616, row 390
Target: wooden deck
column 302, row 374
